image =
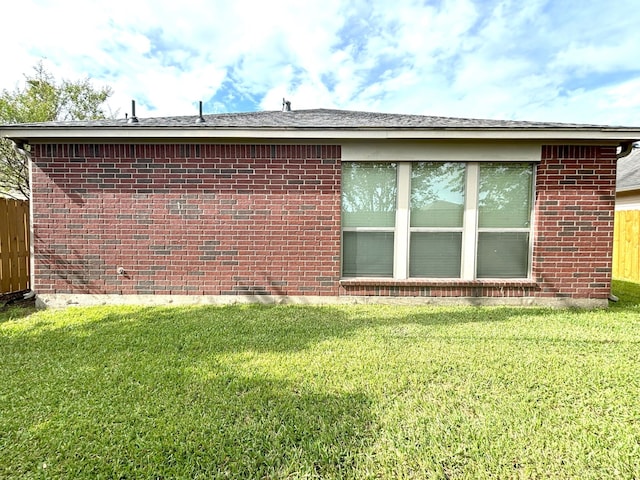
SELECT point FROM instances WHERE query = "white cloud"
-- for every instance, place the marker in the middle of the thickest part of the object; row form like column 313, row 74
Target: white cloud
column 583, row 59
column 540, row 59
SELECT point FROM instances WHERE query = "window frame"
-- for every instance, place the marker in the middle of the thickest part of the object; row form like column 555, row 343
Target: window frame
column 528, row 230
column 372, row 229
column 470, row 228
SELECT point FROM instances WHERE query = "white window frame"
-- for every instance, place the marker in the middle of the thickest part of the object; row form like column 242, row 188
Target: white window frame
column 469, row 229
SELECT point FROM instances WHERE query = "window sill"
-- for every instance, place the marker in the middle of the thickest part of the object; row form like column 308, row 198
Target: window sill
column 435, row 282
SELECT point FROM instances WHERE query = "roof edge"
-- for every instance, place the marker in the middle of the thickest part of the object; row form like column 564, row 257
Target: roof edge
column 40, row 134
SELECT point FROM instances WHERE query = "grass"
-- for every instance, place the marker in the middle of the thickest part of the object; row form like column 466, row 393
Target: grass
column 321, row 392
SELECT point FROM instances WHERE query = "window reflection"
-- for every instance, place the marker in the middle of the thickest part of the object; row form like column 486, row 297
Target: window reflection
column 504, row 198
column 437, row 194
column 368, row 194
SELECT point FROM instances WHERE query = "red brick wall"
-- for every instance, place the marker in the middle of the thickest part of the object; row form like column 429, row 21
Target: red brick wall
column 187, row 219
column 574, row 221
column 265, row 219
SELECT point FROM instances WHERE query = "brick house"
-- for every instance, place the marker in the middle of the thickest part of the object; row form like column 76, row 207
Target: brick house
column 628, row 182
column 322, row 206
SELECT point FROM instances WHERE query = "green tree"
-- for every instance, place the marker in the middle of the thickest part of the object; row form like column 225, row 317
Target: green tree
column 43, row 99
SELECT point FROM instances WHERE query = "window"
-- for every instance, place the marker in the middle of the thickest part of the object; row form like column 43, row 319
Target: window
column 436, row 219
column 504, row 213
column 369, row 197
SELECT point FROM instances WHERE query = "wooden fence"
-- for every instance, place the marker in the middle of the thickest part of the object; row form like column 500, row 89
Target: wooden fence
column 626, row 245
column 14, row 245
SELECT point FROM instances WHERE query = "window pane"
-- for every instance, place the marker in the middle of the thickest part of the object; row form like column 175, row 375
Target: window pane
column 503, row 254
column 368, row 194
column 435, row 254
column 437, row 194
column 367, row 254
column 504, row 199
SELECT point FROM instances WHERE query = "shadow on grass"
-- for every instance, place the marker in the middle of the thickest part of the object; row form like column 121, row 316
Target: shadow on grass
column 258, row 328
column 13, row 306
column 142, row 393
column 261, row 428
column 268, row 327
column 264, row 328
column 228, row 427
column 628, row 294
column 341, row 318
column 15, row 312
column 172, row 392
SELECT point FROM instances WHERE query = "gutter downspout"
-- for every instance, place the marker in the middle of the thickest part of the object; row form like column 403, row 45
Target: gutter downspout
column 625, row 149
column 20, row 146
column 32, row 241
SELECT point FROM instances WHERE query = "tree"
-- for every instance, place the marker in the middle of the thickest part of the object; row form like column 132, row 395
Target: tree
column 43, row 99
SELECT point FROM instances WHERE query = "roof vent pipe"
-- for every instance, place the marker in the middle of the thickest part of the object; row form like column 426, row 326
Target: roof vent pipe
column 286, row 105
column 200, row 118
column 133, row 118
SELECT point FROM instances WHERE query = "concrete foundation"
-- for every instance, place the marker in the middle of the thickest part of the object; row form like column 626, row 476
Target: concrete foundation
column 66, row 300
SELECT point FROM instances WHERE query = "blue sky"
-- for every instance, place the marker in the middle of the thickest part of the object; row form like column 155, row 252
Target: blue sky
column 547, row 60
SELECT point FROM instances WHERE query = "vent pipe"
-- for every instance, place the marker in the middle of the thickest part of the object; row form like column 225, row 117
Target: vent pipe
column 286, row 105
column 133, row 118
column 200, row 118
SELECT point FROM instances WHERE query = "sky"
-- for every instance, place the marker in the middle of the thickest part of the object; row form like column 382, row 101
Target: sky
column 537, row 60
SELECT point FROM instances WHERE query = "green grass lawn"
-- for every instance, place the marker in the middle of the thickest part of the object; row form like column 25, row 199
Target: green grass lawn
column 321, row 392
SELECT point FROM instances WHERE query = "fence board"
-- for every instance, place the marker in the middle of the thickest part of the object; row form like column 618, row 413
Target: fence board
column 626, row 245
column 14, row 245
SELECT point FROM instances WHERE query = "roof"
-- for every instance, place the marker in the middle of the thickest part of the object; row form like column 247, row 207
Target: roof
column 628, row 176
column 318, row 123
column 319, row 118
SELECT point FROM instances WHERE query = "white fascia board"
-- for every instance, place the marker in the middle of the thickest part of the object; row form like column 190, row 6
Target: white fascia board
column 40, row 134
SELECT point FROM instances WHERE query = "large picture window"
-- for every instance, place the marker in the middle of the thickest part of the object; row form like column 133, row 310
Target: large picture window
column 436, row 219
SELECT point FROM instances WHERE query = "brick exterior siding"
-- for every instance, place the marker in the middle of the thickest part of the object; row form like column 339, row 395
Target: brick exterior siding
column 265, row 220
column 575, row 209
column 187, row 219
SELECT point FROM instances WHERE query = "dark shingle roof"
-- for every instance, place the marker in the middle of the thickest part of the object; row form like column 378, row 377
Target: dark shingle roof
column 313, row 119
column 628, row 177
